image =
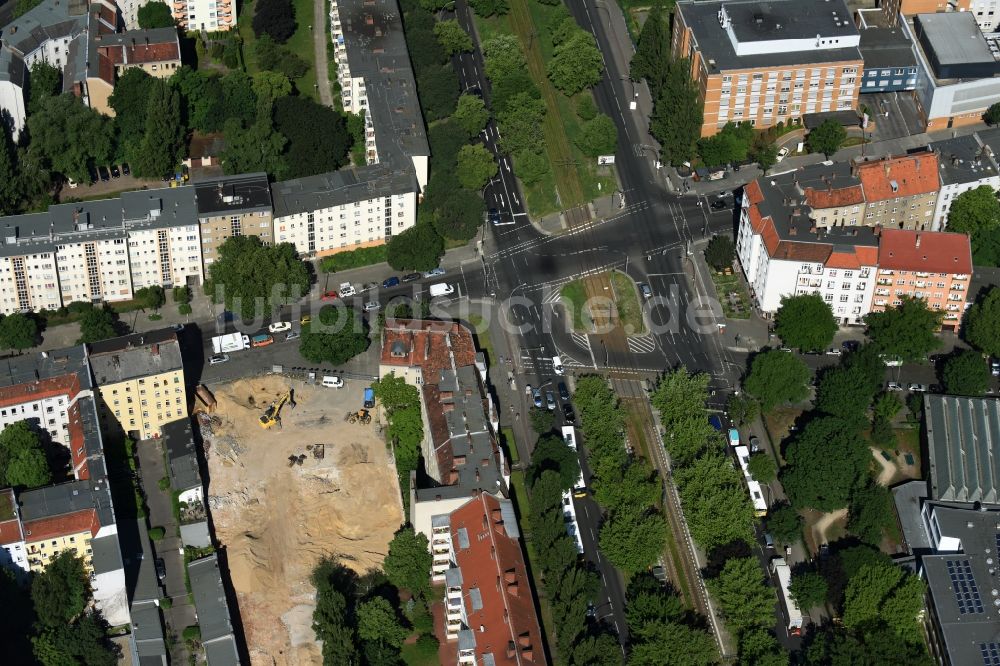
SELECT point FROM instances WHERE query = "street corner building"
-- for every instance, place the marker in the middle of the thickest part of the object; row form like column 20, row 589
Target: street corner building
column 769, row 62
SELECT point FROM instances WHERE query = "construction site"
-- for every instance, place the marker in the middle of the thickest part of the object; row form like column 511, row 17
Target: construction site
column 297, row 472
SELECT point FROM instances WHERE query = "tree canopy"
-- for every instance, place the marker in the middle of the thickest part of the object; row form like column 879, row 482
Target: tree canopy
column 71, row 137
column 318, row 140
column 552, row 453
column 274, row 18
column 471, row 114
column 98, row 323
column 777, row 377
column 785, row 524
column 743, row 598
column 418, row 248
column 476, row 166
column 974, row 212
column 254, row 278
column 155, row 14
column 337, row 337
column 827, row 138
column 720, row 251
column 408, row 562
column 18, row 331
column 966, row 373
column 808, row 589
column 652, row 52
column 162, row 145
column 982, row 323
column 677, row 114
column 599, row 136
column 826, row 462
column 871, row 513
column 805, row 322
column 906, row 331
column 60, row 591
column 453, row 38
column 22, row 458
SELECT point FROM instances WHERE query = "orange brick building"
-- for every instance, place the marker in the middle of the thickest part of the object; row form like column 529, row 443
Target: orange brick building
column 769, row 62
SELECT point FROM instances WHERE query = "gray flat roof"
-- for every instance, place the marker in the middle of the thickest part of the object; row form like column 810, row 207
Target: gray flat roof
column 136, row 355
column 886, row 47
column 376, row 49
column 66, row 498
column 213, row 611
column 908, row 498
column 963, row 160
column 182, row 455
column 798, row 19
column 339, row 188
column 106, row 553
column 245, row 193
column 147, row 632
column 45, row 365
column 963, row 438
column 955, row 38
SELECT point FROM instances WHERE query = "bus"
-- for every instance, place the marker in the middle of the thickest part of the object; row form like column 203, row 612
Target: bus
column 569, row 436
column 756, row 493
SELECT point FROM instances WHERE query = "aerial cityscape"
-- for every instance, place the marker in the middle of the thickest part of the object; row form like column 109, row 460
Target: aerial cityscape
column 500, row 332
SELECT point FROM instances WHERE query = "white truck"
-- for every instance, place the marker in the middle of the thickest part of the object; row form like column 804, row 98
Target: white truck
column 784, row 573
column 441, row 289
column 231, row 342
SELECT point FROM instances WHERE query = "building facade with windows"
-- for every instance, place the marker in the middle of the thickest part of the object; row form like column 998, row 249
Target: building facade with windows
column 157, row 52
column 965, row 163
column 140, row 379
column 900, row 192
column 233, row 206
column 890, row 64
column 205, row 15
column 935, row 267
column 769, row 62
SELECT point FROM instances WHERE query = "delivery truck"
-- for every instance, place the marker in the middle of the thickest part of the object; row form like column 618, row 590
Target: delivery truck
column 441, row 289
column 784, row 573
column 231, row 342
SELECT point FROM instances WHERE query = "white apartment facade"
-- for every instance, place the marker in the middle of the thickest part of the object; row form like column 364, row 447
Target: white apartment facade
column 205, row 15
column 965, row 163
column 165, row 256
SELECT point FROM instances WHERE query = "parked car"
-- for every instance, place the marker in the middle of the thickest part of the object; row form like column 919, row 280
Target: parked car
column 833, row 351
column 279, row 326
column 330, row 381
column 161, row 569
column 346, row 289
column 410, row 277
column 305, row 319
column 568, row 414
column 115, row 171
column 329, row 296
column 646, row 291
column 550, row 400
column 371, row 306
column 557, row 366
column 125, row 169
column 537, row 397
column 434, row 272
column 217, row 359
column 782, row 154
column 917, row 388
column 563, row 391
column 995, row 368
column 894, row 386
column 390, row 282
column 718, row 204
column 292, row 335
column 754, row 444
column 103, row 173
column 850, row 345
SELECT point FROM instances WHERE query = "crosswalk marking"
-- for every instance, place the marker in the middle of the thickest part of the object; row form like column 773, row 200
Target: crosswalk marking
column 552, row 297
column 582, row 340
column 641, row 345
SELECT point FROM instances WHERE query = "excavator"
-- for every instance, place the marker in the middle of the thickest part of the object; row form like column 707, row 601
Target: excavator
column 272, row 415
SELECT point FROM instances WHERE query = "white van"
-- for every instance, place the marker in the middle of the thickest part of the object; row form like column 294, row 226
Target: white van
column 330, row 381
column 441, row 289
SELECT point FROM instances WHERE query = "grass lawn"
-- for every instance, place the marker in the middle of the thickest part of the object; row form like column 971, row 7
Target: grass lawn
column 482, row 333
column 245, row 28
column 301, row 43
column 508, row 437
column 412, row 656
column 574, row 296
column 627, row 302
column 732, row 294
column 853, row 141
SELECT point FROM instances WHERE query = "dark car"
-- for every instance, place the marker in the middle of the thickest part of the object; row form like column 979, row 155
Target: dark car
column 125, row 169
column 718, row 204
column 563, row 391
column 115, row 171
column 103, row 173
column 715, row 422
column 410, row 277
column 850, row 345
column 161, row 569
column 568, row 414
column 493, row 216
column 390, row 282
column 92, row 172
column 474, row 90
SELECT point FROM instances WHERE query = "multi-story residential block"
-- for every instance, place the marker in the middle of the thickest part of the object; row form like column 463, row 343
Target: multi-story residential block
column 344, row 210
column 489, row 606
column 140, row 380
column 233, row 206
column 965, row 163
column 205, row 15
column 936, row 267
column 769, row 62
column 890, row 64
column 957, row 74
column 157, row 52
column 99, row 250
column 833, row 193
column 376, row 79
column 900, row 192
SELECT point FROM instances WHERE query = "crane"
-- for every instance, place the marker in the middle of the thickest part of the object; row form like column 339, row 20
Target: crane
column 272, row 414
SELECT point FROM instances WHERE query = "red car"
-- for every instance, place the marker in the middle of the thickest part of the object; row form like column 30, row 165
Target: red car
column 329, row 296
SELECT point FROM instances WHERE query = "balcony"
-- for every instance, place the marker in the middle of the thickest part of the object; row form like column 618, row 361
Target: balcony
column 922, row 275
column 880, row 302
column 920, row 284
column 958, row 287
column 881, row 292
column 884, row 281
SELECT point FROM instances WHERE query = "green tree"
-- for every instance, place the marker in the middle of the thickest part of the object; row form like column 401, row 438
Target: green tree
column 439, row 91
column 531, row 167
column 408, row 562
column 652, row 52
column 339, row 336
column 98, row 324
column 476, row 166
column 487, row 8
column 274, row 18
column 70, row 136
column 155, row 14
column 762, row 467
column 871, row 513
column 471, row 114
column 238, row 100
column 674, row 644
column 715, row 501
column 503, row 56
column 785, row 524
column 992, row 115
column 635, row 486
column 759, row 647
column 418, row 248
column 83, row 642
column 847, row 390
column 743, row 598
column 777, row 377
column 10, row 182
column 44, row 81
column 59, row 593
column 742, row 409
column 18, row 331
column 826, row 463
column 277, row 58
column 201, row 98
column 460, row 214
column 966, row 373
column 575, row 64
column 552, row 453
column 886, row 406
column 22, row 458
column 151, row 297
column 884, row 592
column 719, row 252
column 827, row 138
column 255, row 278
column 729, row 145
column 394, row 393
column 130, row 100
column 805, row 322
column 182, row 295
column 377, row 622
column 254, row 148
column 268, row 87
column 906, row 331
column 542, row 420
column 599, row 136
column 521, row 124
column 318, row 140
column 633, row 538
column 974, row 212
column 808, row 589
column 982, row 323
column 677, row 114
column 331, row 615
column 453, row 38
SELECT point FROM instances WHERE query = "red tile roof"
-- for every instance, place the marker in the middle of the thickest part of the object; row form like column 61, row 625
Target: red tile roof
column 426, row 344
column 798, row 251
column 924, row 251
column 68, row 385
column 77, row 443
column 64, row 525
column 830, row 198
column 506, row 625
column 141, row 53
column 10, row 526
column 912, row 174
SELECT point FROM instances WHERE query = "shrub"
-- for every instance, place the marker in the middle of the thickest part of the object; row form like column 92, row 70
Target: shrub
column 157, row 533
column 184, row 309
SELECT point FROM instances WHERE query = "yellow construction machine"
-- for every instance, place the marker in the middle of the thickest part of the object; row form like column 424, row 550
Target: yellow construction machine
column 272, row 415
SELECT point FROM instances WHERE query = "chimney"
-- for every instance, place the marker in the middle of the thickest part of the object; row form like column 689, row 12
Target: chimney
column 885, row 165
column 511, row 649
column 917, row 243
column 877, row 230
column 793, row 230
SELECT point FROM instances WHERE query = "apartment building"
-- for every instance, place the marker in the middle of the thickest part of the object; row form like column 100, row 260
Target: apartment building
column 936, row 267
column 489, row 606
column 900, row 192
column 157, row 52
column 98, row 251
column 783, row 253
column 205, row 15
column 376, row 79
column 769, row 62
column 833, row 192
column 344, row 210
column 964, row 163
column 140, row 379
column 890, row 64
column 233, row 206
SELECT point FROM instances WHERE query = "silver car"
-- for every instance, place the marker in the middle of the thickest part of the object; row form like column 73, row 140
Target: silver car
column 218, row 358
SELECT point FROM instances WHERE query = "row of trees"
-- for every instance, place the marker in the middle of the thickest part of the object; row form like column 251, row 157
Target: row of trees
column 662, row 630
column 401, row 402
column 977, row 213
column 634, row 531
